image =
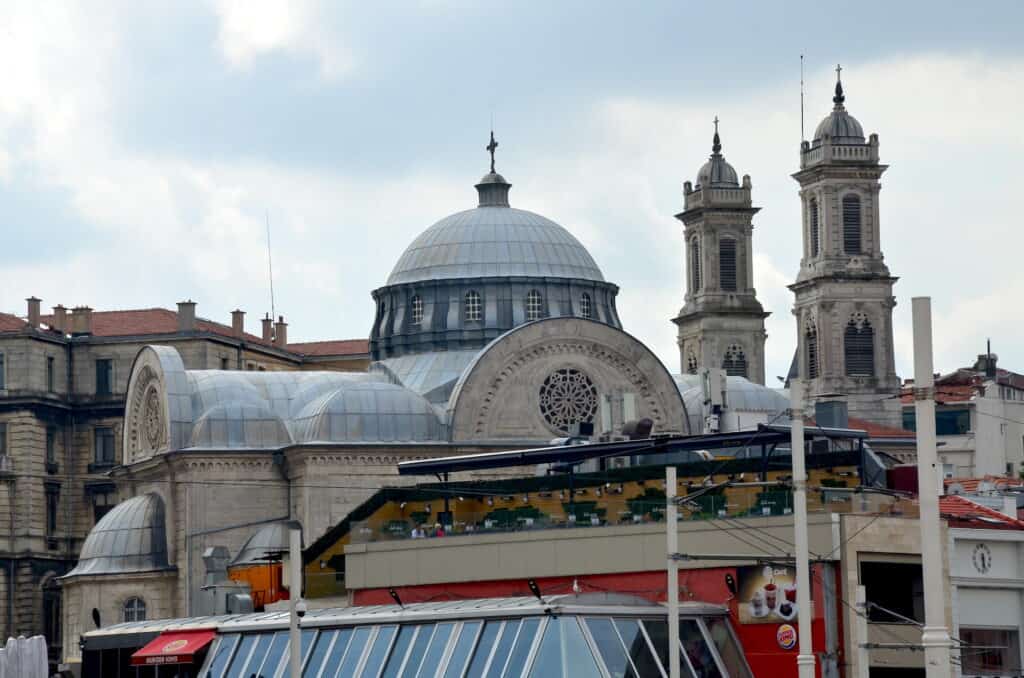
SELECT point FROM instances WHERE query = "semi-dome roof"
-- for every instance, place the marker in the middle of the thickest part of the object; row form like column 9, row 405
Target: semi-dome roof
column 269, row 539
column 716, row 172
column 842, row 127
column 494, row 240
column 130, row 538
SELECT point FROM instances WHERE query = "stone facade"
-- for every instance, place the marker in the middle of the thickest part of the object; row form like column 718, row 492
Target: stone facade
column 721, row 324
column 843, row 293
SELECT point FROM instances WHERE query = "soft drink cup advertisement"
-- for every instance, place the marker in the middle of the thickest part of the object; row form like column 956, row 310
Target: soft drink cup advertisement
column 767, row 594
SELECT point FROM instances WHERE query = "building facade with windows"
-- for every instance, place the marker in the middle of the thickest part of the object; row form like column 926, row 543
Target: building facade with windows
column 63, row 379
column 721, row 324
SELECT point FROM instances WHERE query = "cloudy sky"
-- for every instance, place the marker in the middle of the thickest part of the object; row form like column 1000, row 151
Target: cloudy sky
column 143, row 144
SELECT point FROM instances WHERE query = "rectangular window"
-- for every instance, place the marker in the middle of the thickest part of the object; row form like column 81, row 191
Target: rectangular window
column 225, row 363
column 104, row 376
column 50, row 374
column 896, row 590
column 3, row 438
column 3, row 380
column 990, row 652
column 52, row 504
column 101, row 505
column 952, row 422
column 51, row 445
column 727, row 264
column 103, row 451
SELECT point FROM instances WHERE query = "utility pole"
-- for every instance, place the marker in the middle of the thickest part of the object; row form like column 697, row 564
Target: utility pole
column 294, row 594
column 672, row 571
column 805, row 658
column 935, row 636
column 861, row 635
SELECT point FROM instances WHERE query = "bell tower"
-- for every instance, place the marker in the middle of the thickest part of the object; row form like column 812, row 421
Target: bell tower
column 721, row 324
column 844, row 298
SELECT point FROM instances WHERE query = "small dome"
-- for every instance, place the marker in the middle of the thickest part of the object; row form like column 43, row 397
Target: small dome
column 716, row 172
column 244, row 425
column 742, row 397
column 130, row 538
column 842, row 127
column 272, row 538
column 369, row 412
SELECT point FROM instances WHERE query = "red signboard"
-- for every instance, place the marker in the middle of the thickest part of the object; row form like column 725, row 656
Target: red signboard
column 173, row 647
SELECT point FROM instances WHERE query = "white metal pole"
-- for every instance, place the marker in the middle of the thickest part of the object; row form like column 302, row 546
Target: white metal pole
column 860, row 637
column 935, row 636
column 805, row 658
column 672, row 571
column 294, row 593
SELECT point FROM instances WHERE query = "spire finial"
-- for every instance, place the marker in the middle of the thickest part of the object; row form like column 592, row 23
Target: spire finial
column 838, row 99
column 716, row 144
column 491, row 147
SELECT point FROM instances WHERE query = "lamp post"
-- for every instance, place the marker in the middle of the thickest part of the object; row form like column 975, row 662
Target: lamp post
column 672, row 571
column 805, row 659
column 935, row 636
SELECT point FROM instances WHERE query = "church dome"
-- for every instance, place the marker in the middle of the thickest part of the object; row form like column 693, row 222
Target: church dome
column 716, row 172
column 840, row 126
column 132, row 537
column 494, row 240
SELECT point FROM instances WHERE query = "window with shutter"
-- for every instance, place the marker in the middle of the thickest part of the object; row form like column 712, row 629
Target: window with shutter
column 859, row 348
column 727, row 264
column 811, row 340
column 851, row 224
column 735, row 361
column 812, row 209
column 695, row 265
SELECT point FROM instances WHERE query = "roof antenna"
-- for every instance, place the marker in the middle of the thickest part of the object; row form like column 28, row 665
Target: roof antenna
column 270, row 269
column 802, row 97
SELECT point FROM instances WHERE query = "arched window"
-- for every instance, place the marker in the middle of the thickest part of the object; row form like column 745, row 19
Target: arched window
column 134, row 609
column 695, row 265
column 859, row 347
column 735, row 361
column 812, row 210
column 811, row 342
column 691, row 362
column 727, row 264
column 851, row 224
column 474, row 309
column 417, row 310
column 534, row 305
column 585, row 308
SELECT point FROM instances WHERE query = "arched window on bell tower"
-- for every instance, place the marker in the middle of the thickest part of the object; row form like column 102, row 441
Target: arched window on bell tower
column 691, row 362
column 812, row 209
column 695, row 265
column 735, row 361
column 727, row 275
column 851, row 224
column 811, row 344
column 859, row 347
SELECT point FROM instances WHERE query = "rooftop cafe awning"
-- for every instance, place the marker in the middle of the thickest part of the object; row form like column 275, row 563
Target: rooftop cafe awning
column 173, row 647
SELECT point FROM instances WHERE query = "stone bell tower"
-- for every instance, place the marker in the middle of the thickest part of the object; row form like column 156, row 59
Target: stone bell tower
column 721, row 324
column 843, row 292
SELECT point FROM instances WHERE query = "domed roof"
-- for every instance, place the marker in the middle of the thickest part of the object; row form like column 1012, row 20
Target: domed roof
column 494, row 240
column 842, row 127
column 716, row 172
column 272, row 538
column 742, row 396
column 130, row 538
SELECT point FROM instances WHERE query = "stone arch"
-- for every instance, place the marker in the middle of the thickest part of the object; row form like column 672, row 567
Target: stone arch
column 499, row 394
column 158, row 411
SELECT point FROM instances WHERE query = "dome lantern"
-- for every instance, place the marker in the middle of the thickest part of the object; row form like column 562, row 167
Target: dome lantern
column 716, row 172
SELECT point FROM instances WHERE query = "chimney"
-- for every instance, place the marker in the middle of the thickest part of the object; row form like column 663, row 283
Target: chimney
column 831, row 414
column 33, row 311
column 237, row 322
column 186, row 316
column 281, row 333
column 60, row 318
column 81, row 320
column 268, row 328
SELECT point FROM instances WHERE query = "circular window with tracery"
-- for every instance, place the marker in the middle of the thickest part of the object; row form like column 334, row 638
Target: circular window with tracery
column 568, row 397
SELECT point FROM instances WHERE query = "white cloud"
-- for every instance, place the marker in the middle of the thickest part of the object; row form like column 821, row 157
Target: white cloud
column 251, row 28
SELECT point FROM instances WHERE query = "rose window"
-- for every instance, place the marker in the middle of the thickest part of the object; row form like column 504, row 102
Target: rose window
column 153, row 419
column 568, row 397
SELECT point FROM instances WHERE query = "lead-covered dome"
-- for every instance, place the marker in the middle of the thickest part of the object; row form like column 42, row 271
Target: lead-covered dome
column 840, row 126
column 494, row 240
column 716, row 172
column 132, row 537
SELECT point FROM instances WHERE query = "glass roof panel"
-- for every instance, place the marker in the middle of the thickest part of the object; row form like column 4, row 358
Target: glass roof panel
column 564, row 652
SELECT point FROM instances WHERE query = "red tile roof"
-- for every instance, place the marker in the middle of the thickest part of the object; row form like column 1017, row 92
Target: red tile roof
column 962, row 512
column 972, row 485
column 11, row 323
column 872, row 429
column 945, row 393
column 334, row 347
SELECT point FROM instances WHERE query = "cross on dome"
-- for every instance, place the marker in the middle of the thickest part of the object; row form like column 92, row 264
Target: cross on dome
column 838, row 99
column 716, row 144
column 491, row 147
